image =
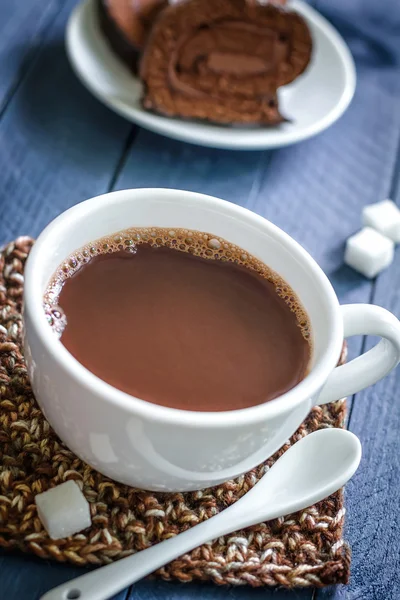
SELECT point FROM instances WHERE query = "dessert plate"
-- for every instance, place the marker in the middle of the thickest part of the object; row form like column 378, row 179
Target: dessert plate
column 313, row 101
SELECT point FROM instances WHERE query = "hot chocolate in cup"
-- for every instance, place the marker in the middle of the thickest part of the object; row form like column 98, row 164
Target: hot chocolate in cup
column 155, row 447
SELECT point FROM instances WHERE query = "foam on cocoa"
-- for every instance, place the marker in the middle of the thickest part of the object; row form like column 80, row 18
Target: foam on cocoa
column 205, row 245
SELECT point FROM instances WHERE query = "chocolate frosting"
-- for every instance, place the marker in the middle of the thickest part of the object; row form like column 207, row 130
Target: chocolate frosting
column 223, row 61
column 229, row 50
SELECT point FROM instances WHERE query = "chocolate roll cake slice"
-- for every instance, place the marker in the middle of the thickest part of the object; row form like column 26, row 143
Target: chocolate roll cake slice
column 126, row 24
column 223, row 60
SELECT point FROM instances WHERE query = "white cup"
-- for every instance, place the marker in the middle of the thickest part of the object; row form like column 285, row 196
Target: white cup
column 158, row 448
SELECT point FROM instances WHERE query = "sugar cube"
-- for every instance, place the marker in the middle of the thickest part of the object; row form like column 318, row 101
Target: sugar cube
column 369, row 252
column 63, row 510
column 384, row 217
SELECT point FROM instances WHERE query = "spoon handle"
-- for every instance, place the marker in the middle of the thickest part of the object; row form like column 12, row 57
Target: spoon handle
column 103, row 583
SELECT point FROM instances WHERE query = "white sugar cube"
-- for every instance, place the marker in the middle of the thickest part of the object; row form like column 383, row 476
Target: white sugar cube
column 384, row 217
column 369, row 252
column 63, row 510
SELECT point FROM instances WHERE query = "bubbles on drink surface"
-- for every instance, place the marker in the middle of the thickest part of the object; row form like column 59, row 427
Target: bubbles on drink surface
column 204, row 245
column 56, row 319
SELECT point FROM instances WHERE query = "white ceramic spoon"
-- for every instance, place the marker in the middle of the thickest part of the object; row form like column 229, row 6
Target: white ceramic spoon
column 312, row 469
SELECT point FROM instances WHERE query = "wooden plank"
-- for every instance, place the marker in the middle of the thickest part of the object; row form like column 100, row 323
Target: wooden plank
column 156, row 590
column 23, row 26
column 371, row 29
column 156, row 161
column 25, row 577
column 58, row 145
column 373, row 496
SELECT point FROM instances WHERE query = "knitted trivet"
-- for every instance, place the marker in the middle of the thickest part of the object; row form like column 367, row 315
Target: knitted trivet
column 304, row 549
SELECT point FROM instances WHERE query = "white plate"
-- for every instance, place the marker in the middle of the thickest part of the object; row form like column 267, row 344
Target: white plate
column 313, row 101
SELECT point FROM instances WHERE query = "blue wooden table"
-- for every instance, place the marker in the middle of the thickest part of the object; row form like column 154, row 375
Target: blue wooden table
column 59, row 146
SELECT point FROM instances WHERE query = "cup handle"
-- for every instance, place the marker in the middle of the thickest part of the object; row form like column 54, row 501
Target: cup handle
column 367, row 369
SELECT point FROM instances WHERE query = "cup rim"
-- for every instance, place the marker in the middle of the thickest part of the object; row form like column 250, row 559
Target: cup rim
column 33, row 306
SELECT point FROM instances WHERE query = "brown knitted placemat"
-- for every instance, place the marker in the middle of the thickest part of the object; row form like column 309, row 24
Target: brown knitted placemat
column 304, row 549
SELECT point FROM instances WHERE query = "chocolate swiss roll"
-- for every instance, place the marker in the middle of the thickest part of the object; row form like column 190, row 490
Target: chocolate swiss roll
column 223, row 60
column 125, row 25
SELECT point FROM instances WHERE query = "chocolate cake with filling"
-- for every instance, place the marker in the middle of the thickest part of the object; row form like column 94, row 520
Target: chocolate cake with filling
column 126, row 24
column 223, row 60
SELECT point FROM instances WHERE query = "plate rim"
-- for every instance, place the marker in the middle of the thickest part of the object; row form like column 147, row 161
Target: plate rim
column 260, row 140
